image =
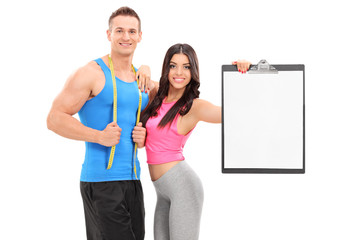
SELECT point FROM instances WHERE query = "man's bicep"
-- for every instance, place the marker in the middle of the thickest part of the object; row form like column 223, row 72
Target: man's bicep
column 75, row 93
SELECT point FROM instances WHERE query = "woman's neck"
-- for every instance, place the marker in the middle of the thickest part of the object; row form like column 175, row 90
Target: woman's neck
column 174, row 94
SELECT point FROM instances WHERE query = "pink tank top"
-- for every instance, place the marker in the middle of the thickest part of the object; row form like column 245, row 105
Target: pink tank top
column 164, row 145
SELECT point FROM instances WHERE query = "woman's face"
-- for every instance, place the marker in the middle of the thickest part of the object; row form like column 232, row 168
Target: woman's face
column 179, row 74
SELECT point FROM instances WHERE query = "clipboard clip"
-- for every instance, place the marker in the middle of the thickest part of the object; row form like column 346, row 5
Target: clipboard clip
column 262, row 67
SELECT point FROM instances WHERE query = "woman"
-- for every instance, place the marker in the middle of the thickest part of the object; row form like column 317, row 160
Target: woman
column 169, row 119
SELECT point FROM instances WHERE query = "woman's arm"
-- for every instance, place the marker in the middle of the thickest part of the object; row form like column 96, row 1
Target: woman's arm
column 201, row 110
column 206, row 111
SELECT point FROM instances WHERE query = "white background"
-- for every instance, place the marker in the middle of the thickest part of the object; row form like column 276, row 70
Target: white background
column 43, row 42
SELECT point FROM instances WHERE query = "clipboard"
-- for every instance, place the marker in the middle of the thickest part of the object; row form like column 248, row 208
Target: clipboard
column 263, row 119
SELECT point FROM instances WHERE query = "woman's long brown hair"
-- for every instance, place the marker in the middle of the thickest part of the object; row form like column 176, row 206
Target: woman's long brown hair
column 183, row 105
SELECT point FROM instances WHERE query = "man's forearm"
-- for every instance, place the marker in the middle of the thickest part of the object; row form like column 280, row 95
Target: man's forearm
column 67, row 126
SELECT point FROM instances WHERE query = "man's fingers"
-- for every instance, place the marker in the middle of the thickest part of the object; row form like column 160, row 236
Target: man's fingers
column 139, row 132
column 139, row 127
column 112, row 124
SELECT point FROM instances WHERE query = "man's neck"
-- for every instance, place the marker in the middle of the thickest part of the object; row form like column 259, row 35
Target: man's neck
column 121, row 63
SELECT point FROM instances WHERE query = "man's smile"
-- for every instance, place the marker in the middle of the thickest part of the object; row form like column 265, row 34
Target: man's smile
column 126, row 44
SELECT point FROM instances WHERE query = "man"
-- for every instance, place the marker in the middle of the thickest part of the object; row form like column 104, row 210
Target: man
column 113, row 198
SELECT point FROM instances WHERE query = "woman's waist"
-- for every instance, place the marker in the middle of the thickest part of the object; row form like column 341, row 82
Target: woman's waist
column 158, row 170
column 163, row 156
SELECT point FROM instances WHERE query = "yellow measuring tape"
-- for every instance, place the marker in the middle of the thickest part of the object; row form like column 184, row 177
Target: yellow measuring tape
column 112, row 152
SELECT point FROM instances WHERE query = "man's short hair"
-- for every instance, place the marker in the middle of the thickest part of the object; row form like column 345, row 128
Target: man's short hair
column 124, row 11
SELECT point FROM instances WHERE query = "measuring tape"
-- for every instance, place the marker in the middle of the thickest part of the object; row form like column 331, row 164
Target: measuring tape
column 112, row 152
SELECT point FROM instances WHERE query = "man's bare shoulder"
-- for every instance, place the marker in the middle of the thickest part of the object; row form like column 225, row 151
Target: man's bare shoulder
column 91, row 70
column 84, row 78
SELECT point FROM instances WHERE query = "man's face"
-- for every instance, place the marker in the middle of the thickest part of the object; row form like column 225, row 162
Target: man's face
column 124, row 34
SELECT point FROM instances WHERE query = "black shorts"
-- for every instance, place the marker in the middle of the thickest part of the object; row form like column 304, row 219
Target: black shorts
column 113, row 210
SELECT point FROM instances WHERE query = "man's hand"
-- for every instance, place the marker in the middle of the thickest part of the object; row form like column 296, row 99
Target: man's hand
column 110, row 136
column 139, row 135
column 144, row 76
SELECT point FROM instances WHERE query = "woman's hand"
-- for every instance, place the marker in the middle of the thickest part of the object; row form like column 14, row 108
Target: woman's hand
column 144, row 76
column 242, row 65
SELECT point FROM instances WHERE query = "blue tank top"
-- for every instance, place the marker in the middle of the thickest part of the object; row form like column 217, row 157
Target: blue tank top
column 97, row 113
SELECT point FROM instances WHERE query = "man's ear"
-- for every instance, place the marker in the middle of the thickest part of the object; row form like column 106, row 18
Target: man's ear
column 140, row 37
column 108, row 33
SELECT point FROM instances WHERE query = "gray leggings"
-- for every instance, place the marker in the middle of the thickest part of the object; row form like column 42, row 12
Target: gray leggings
column 179, row 203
